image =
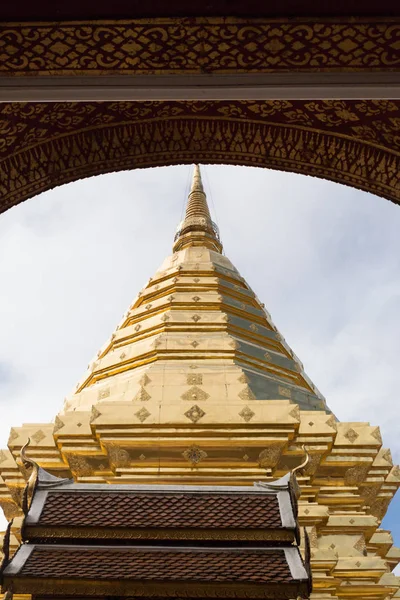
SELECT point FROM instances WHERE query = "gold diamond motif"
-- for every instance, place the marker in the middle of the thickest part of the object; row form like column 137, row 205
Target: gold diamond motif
column 331, row 422
column 253, row 327
column 196, row 318
column 195, row 413
column 194, row 379
column 165, row 318
column 142, row 395
column 195, row 344
column 247, row 414
column 283, row 391
column 58, row 424
column 142, row 414
column 195, row 394
column 194, row 455
column 267, row 356
column 104, row 393
column 38, row 436
column 170, row 298
column 351, row 435
column 196, row 298
column 148, row 306
column 243, row 378
column 3, row 456
column 94, row 414
column 122, row 356
column 246, row 394
column 142, row 457
column 144, row 380
column 377, row 435
column 196, row 280
column 137, row 327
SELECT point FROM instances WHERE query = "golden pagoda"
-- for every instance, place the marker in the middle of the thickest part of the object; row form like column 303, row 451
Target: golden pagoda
column 196, row 386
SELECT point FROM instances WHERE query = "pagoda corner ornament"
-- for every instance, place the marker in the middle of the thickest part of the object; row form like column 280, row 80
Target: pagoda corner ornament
column 177, row 469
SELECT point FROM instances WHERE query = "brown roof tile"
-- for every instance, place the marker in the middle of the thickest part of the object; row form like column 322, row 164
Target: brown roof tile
column 170, row 565
column 147, row 510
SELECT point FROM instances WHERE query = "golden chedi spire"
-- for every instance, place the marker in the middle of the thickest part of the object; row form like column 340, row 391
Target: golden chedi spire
column 196, row 385
column 197, row 228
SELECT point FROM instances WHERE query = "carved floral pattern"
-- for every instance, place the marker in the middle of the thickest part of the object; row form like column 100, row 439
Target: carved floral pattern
column 352, row 142
column 216, row 45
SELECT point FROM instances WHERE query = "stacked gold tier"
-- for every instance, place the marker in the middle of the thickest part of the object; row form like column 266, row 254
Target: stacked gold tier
column 196, row 385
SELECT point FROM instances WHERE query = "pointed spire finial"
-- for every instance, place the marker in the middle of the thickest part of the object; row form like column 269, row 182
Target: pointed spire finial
column 197, row 228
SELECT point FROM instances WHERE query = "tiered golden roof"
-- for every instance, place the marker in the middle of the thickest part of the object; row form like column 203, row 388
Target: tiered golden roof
column 196, row 385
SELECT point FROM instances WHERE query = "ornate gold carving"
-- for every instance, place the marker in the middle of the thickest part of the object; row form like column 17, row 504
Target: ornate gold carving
column 295, row 412
column 247, row 414
column 243, row 378
column 316, row 138
column 142, row 414
column 194, row 379
column 253, row 327
column 233, row 45
column 195, row 413
column 269, row 457
column 194, row 455
column 117, row 455
column 78, row 465
column 195, row 394
column 351, row 435
column 284, row 391
column 142, row 395
column 267, row 356
column 356, row 475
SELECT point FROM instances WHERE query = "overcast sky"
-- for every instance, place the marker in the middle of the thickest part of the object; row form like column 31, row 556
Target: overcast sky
column 324, row 258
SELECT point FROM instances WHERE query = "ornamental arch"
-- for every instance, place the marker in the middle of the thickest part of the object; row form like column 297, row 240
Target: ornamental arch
column 82, row 97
